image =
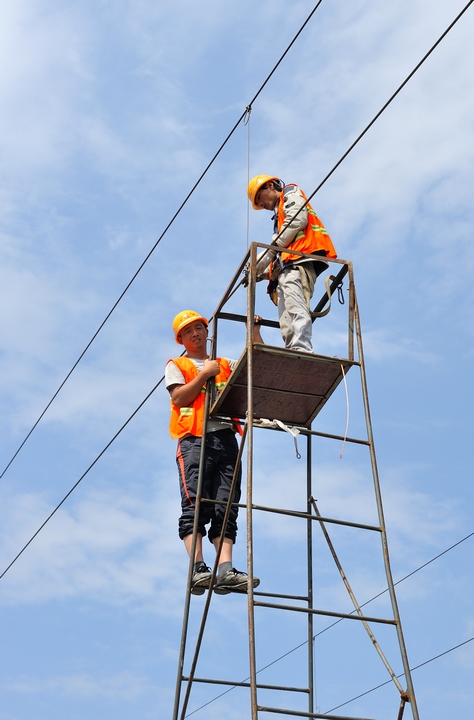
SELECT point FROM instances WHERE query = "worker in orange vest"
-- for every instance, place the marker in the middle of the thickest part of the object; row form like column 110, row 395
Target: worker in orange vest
column 185, row 379
column 296, row 227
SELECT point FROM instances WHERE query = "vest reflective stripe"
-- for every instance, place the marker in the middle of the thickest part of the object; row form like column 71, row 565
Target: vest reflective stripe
column 313, row 238
column 189, row 420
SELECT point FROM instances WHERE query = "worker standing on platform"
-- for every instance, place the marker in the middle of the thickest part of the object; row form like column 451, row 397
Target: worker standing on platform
column 293, row 275
column 186, row 379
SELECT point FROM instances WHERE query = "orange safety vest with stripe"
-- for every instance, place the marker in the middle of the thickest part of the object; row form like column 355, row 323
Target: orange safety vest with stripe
column 189, row 420
column 312, row 239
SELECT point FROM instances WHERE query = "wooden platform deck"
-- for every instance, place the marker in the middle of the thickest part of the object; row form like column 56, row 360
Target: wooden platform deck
column 287, row 385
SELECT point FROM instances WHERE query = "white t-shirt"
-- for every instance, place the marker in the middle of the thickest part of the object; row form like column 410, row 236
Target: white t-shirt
column 174, row 376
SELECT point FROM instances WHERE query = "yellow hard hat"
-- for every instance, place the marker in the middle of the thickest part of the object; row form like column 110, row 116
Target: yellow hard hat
column 254, row 186
column 185, row 317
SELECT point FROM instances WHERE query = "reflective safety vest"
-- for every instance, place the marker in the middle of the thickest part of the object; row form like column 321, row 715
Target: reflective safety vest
column 189, row 420
column 312, row 239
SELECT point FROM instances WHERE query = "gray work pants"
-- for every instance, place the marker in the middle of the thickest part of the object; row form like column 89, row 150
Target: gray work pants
column 293, row 306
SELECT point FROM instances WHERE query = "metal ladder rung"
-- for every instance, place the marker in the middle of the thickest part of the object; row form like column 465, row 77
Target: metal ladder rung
column 261, row 686
column 326, row 613
column 280, row 711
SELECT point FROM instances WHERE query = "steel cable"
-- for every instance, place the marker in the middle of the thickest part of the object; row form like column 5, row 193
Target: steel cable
column 190, row 193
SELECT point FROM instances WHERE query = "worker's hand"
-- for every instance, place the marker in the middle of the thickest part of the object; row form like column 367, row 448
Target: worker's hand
column 211, row 368
column 257, row 319
column 260, row 276
column 246, row 278
column 257, row 338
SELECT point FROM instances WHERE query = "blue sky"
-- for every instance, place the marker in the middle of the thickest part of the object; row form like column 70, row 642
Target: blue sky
column 110, row 112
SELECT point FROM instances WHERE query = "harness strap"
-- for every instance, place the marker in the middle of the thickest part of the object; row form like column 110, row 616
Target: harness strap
column 327, row 280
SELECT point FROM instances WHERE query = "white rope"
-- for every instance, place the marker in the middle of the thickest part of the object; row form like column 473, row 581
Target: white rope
column 347, row 412
column 293, row 431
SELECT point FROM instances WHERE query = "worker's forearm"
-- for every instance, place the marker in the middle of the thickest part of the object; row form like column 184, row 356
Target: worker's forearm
column 185, row 395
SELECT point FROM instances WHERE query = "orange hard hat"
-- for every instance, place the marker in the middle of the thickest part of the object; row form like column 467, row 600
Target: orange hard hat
column 183, row 318
column 254, row 186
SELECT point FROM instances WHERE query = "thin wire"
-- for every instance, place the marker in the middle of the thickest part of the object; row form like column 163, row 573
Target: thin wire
column 81, row 478
column 348, row 410
column 374, row 120
column 399, row 89
column 247, row 205
column 287, row 51
column 362, row 134
column 289, row 652
column 247, row 112
column 243, row 115
column 124, row 292
column 387, row 682
column 305, row 642
column 211, row 319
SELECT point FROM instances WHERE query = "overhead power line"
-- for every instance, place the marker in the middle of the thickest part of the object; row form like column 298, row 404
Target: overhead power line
column 389, row 101
column 347, row 702
column 134, row 277
column 211, row 162
column 81, row 478
column 292, row 650
column 169, row 224
column 387, row 682
column 328, row 627
column 380, row 112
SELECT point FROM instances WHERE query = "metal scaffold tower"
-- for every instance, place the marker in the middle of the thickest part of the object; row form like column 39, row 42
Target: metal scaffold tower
column 273, row 390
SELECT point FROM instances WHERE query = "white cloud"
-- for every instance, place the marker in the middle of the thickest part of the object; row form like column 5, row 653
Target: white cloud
column 110, row 113
column 120, row 550
column 380, row 345
column 124, row 686
column 43, row 51
column 418, row 525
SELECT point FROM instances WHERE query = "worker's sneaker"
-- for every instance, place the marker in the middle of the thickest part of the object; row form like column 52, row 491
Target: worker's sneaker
column 233, row 581
column 200, row 580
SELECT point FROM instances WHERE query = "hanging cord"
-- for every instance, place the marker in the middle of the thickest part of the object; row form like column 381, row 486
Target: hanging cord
column 347, row 412
column 247, row 205
column 205, row 172
column 376, row 117
column 174, row 217
column 293, row 431
column 178, row 211
column 337, row 622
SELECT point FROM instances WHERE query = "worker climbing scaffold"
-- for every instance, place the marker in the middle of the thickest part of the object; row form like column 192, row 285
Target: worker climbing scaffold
column 186, row 378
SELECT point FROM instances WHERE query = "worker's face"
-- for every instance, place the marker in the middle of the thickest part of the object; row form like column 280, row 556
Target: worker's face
column 267, row 197
column 194, row 335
